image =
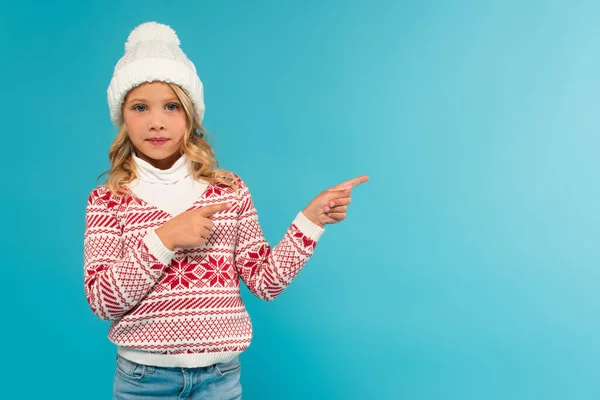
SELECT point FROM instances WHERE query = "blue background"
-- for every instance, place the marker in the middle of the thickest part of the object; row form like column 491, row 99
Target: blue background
column 468, row 265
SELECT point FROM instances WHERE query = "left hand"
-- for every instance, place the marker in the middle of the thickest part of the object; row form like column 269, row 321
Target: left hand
column 330, row 207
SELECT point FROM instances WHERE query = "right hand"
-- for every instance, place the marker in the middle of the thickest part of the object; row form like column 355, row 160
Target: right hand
column 191, row 228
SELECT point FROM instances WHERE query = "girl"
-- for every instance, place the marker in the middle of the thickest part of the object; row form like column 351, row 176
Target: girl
column 169, row 235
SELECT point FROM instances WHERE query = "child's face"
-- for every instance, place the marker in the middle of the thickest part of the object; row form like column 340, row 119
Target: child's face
column 156, row 123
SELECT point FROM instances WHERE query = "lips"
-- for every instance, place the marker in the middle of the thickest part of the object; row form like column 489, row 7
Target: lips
column 157, row 141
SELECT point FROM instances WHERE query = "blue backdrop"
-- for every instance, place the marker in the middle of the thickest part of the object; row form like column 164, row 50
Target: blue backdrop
column 468, row 265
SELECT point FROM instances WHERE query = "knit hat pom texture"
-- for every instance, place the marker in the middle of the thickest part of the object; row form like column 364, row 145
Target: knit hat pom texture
column 152, row 31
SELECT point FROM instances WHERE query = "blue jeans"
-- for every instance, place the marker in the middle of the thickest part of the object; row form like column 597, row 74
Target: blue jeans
column 136, row 381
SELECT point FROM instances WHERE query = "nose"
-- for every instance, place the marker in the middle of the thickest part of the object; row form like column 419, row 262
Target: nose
column 157, row 122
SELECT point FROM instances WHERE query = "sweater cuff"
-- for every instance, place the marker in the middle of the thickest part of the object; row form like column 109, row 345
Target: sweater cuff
column 157, row 248
column 307, row 227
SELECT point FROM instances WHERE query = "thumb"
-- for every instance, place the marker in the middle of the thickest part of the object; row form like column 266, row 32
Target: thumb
column 337, row 193
column 208, row 211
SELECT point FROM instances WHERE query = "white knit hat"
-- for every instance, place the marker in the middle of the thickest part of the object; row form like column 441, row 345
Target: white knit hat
column 152, row 53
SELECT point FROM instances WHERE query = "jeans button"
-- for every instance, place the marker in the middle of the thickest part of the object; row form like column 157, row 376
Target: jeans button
column 211, row 369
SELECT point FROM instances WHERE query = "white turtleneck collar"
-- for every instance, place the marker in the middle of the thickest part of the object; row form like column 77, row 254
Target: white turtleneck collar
column 150, row 174
column 172, row 190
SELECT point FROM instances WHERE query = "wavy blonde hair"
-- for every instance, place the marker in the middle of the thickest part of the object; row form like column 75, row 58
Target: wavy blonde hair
column 195, row 147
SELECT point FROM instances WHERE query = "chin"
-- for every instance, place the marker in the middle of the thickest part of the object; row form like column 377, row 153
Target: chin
column 159, row 154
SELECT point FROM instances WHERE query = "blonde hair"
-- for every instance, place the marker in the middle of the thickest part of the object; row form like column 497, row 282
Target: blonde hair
column 195, row 147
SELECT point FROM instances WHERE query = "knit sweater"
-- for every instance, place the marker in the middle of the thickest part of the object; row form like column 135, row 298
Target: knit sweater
column 183, row 308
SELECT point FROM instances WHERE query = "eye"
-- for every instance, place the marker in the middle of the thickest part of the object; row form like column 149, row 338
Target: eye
column 139, row 107
column 172, row 106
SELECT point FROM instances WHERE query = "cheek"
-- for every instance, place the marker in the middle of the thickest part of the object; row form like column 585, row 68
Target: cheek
column 134, row 130
column 179, row 125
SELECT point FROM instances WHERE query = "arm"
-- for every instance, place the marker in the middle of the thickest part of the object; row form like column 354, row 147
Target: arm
column 116, row 278
column 268, row 271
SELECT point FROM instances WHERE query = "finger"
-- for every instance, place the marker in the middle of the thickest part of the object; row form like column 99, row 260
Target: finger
column 208, row 211
column 202, row 233
column 337, row 216
column 337, row 194
column 351, row 183
column 328, row 209
column 343, row 201
column 208, row 224
column 339, row 209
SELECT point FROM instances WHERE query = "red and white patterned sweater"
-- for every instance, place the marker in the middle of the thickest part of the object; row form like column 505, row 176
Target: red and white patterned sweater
column 189, row 312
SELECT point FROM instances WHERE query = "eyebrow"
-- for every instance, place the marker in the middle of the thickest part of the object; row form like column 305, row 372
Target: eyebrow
column 140, row 100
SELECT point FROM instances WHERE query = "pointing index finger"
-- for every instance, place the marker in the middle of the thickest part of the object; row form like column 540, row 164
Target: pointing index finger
column 208, row 211
column 351, row 183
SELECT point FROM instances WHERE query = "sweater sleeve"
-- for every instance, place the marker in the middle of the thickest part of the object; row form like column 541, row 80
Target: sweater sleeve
column 116, row 278
column 268, row 271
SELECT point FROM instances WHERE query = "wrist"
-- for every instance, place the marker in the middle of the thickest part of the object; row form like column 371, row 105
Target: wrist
column 164, row 237
column 312, row 218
